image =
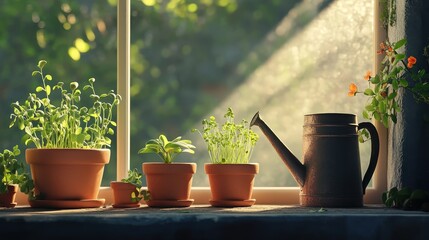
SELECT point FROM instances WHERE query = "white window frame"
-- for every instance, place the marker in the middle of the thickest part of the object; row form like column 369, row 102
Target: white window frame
column 201, row 195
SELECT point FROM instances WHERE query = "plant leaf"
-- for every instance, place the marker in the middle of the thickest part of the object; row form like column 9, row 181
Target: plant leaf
column 41, row 64
column 369, row 92
column 400, row 43
column 48, row 90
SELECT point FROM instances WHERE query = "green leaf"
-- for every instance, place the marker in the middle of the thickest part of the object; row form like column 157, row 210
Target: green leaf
column 365, row 114
column 392, row 95
column 385, row 120
column 188, row 151
column 399, row 57
column 419, row 194
column 81, row 138
column 399, row 43
column 21, row 124
column 48, row 77
column 34, row 73
column 403, row 82
column 375, row 79
column 41, row 64
column 382, row 107
column 395, row 84
column 48, row 90
column 377, row 116
column 39, row 89
column 368, row 92
column 164, row 139
column 389, row 202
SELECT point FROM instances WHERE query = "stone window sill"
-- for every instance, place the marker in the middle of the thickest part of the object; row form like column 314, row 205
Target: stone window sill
column 205, row 222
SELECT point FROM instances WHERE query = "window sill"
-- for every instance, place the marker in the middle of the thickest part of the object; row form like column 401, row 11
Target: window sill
column 205, row 222
column 263, row 195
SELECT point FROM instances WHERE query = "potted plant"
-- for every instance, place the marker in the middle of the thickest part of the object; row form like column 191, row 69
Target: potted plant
column 168, row 183
column 127, row 193
column 230, row 146
column 12, row 175
column 397, row 73
column 68, row 161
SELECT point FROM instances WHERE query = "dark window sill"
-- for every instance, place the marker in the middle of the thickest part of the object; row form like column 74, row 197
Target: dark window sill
column 205, row 222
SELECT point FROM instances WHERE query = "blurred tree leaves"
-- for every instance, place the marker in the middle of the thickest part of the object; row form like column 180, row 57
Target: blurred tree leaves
column 183, row 54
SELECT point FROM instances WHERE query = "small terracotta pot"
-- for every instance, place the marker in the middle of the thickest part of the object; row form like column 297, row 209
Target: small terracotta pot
column 170, row 184
column 122, row 194
column 7, row 199
column 231, row 184
column 67, row 174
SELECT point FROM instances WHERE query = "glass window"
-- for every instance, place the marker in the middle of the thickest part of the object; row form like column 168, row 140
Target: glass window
column 193, row 59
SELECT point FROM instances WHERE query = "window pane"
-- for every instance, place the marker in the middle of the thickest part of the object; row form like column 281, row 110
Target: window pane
column 193, row 59
column 76, row 38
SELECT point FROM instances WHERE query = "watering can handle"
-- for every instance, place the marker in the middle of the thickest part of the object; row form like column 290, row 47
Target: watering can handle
column 375, row 146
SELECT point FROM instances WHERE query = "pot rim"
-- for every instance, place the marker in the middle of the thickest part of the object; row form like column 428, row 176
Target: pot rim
column 169, row 168
column 239, row 168
column 67, row 156
column 122, row 185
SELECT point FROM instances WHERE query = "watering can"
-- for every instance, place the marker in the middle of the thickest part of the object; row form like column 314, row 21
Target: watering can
column 330, row 175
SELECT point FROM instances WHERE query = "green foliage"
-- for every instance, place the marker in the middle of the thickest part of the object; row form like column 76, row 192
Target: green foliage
column 167, row 150
column 65, row 125
column 231, row 143
column 396, row 73
column 134, row 177
column 406, row 198
column 13, row 172
column 388, row 12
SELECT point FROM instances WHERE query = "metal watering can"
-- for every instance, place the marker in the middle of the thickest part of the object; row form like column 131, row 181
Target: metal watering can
column 330, row 175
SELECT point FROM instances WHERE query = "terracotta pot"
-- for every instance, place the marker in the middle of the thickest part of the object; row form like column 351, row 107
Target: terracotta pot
column 122, row 194
column 231, row 185
column 169, row 185
column 7, row 199
column 67, row 174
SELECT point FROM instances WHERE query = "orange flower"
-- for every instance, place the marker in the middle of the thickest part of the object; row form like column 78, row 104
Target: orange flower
column 367, row 75
column 411, row 61
column 382, row 46
column 352, row 89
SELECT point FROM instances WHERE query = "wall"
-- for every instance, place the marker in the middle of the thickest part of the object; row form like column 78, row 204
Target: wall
column 408, row 160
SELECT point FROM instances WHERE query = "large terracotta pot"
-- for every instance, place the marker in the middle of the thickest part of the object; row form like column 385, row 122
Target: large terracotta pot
column 170, row 184
column 122, row 194
column 231, row 185
column 67, row 174
column 7, row 199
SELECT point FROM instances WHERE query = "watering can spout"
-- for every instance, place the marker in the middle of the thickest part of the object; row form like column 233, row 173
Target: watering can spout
column 295, row 166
